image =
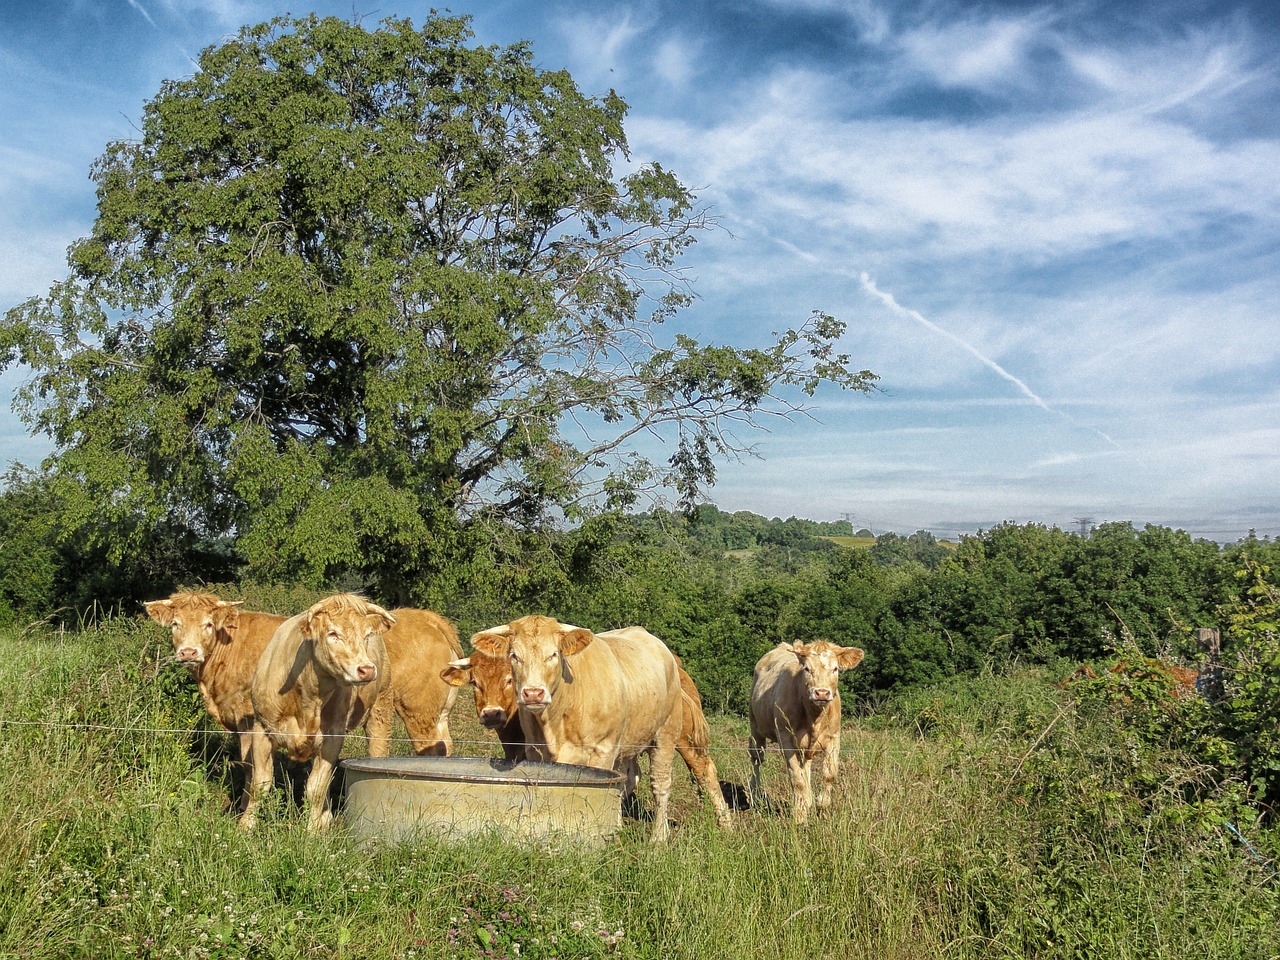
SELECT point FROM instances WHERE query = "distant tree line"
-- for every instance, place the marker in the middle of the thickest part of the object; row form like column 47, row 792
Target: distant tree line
column 723, row 587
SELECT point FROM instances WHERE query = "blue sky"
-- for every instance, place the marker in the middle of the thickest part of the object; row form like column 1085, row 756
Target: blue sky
column 1053, row 229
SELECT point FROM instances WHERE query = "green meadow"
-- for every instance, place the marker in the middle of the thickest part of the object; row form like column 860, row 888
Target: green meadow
column 992, row 816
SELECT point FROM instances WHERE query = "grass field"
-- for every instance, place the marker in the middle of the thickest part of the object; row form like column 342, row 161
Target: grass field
column 978, row 820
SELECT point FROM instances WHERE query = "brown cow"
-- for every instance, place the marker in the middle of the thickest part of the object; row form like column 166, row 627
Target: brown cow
column 419, row 645
column 495, row 696
column 317, row 680
column 599, row 700
column 1180, row 680
column 795, row 700
column 220, row 644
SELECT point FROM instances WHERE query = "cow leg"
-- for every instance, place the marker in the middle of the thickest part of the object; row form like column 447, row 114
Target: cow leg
column 801, row 789
column 319, row 816
column 377, row 726
column 261, row 759
column 631, row 771
column 430, row 737
column 663, row 757
column 703, row 769
column 756, row 751
column 244, row 734
column 830, row 760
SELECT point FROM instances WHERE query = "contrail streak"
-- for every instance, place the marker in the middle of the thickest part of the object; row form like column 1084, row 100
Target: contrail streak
column 142, row 10
column 887, row 299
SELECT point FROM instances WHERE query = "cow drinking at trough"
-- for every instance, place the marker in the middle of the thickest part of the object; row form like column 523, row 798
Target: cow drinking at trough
column 317, row 680
column 598, row 700
column 796, row 702
column 220, row 644
column 495, row 697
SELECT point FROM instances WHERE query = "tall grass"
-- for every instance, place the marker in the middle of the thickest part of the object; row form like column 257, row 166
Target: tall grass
column 973, row 820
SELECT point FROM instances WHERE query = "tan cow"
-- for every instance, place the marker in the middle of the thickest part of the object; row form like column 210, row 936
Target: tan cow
column 220, row 644
column 796, row 702
column 599, row 700
column 495, row 694
column 419, row 646
column 317, row 680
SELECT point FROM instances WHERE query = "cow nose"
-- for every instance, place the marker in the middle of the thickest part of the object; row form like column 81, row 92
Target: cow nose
column 188, row 653
column 533, row 695
column 822, row 693
column 493, row 716
column 366, row 672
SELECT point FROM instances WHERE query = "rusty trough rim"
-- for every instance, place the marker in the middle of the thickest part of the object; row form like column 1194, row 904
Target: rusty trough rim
column 486, row 770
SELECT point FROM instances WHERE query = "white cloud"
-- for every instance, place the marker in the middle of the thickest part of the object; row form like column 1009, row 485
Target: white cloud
column 980, row 54
column 674, row 61
column 598, row 46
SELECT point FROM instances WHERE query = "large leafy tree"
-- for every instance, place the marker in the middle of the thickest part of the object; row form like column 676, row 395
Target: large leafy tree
column 372, row 300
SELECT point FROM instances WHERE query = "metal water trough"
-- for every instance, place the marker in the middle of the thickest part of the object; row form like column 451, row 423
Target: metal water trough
column 400, row 798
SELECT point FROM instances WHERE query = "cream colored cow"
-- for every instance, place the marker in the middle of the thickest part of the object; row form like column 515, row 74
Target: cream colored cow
column 317, row 680
column 795, row 701
column 596, row 699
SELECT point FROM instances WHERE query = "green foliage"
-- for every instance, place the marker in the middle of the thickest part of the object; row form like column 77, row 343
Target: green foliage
column 1251, row 679
column 895, row 550
column 46, row 572
column 377, row 302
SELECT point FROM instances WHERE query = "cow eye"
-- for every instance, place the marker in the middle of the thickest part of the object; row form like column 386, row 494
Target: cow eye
column 515, row 657
column 552, row 655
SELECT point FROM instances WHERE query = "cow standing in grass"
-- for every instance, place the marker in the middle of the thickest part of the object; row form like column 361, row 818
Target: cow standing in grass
column 220, row 644
column 419, row 645
column 318, row 679
column 795, row 701
column 495, row 697
column 599, row 700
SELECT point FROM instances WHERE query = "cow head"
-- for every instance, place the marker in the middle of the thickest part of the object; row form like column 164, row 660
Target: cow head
column 820, row 666
column 197, row 621
column 494, row 684
column 342, row 630
column 536, row 648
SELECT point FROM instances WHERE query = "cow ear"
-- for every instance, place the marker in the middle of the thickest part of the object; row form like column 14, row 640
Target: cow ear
column 379, row 619
column 494, row 641
column 227, row 614
column 849, row 657
column 312, row 624
column 457, row 673
column 161, row 611
column 574, row 641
